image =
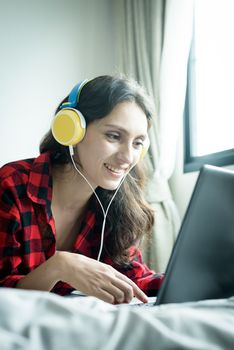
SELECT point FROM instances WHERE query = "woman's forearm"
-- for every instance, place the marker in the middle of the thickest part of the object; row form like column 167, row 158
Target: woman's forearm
column 44, row 277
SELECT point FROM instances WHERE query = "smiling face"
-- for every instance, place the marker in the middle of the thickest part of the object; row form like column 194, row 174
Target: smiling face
column 112, row 145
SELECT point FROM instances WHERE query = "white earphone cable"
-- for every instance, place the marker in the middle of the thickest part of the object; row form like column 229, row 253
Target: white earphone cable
column 107, row 209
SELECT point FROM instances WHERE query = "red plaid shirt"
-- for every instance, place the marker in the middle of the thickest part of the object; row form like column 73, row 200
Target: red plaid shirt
column 27, row 228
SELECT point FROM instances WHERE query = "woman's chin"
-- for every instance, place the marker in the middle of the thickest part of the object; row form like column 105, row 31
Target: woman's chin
column 110, row 186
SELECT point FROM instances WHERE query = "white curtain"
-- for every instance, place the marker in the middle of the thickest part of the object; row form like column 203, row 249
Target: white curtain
column 153, row 41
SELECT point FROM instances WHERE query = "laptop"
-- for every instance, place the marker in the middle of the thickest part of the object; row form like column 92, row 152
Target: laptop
column 201, row 265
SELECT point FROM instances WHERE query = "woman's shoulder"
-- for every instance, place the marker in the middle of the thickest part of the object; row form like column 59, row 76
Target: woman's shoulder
column 18, row 166
column 13, row 179
column 26, row 177
column 22, row 168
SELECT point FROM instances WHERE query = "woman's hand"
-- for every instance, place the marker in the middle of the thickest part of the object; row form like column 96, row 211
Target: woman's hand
column 97, row 279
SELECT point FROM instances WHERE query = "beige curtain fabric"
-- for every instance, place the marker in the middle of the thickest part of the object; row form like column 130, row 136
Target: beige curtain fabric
column 178, row 29
column 145, row 28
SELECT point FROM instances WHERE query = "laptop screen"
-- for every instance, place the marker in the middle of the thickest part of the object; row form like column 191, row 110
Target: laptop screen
column 201, row 265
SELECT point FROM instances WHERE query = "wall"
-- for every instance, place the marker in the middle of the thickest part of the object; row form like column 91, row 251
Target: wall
column 46, row 48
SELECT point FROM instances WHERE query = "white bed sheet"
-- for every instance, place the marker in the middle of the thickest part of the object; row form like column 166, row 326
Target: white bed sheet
column 40, row 321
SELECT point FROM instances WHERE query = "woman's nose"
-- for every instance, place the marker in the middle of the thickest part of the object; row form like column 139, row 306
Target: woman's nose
column 126, row 154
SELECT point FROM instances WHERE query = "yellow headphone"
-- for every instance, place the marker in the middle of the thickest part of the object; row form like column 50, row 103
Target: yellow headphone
column 68, row 125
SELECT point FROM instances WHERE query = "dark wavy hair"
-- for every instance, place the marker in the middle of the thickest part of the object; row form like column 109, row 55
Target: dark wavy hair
column 130, row 216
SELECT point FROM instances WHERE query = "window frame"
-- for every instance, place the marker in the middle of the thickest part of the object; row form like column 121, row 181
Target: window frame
column 194, row 163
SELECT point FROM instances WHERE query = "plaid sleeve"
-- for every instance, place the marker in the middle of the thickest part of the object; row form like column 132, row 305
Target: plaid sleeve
column 10, row 257
column 147, row 280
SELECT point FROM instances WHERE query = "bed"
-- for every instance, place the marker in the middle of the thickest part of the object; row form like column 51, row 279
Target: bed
column 45, row 321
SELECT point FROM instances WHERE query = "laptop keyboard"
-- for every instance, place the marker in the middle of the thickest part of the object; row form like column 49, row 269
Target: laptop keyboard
column 137, row 303
column 143, row 305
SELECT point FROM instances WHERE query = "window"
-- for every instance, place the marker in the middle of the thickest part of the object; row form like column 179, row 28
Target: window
column 209, row 108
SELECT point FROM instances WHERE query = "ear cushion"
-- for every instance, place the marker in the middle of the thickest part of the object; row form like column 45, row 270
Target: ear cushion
column 145, row 148
column 68, row 126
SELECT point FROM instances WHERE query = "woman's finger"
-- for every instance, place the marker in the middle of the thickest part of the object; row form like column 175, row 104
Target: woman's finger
column 138, row 293
column 105, row 296
column 125, row 288
column 117, row 291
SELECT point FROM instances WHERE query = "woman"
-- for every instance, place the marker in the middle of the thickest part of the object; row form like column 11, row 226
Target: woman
column 52, row 223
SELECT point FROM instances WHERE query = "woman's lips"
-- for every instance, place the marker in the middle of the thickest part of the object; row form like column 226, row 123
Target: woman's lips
column 115, row 171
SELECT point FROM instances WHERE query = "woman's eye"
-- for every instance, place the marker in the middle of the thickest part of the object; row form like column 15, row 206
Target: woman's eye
column 139, row 143
column 113, row 136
